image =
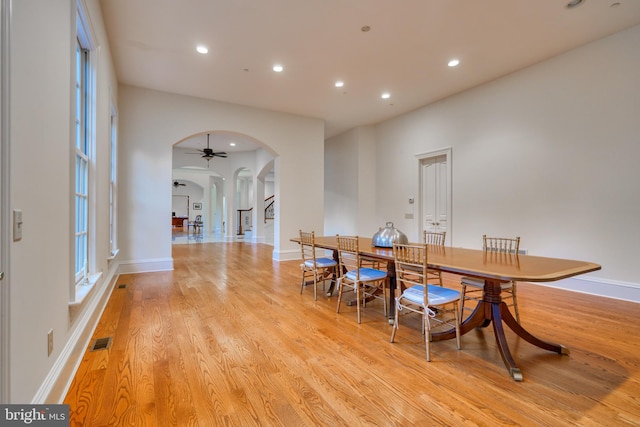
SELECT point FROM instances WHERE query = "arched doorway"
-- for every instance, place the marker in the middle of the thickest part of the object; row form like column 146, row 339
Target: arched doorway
column 225, row 189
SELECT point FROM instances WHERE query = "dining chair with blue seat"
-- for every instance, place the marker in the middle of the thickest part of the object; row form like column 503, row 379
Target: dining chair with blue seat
column 437, row 305
column 312, row 266
column 365, row 282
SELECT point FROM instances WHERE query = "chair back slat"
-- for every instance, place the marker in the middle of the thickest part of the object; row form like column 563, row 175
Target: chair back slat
column 500, row 244
column 308, row 246
column 348, row 254
column 433, row 238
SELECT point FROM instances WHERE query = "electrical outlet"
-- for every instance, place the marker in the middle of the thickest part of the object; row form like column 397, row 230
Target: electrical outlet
column 50, row 342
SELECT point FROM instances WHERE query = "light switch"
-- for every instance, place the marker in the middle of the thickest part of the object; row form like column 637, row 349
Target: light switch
column 17, row 225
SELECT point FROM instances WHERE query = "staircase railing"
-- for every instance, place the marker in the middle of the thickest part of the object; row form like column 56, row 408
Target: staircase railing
column 245, row 216
column 269, row 209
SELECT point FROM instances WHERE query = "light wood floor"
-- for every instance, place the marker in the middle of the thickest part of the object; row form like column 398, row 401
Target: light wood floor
column 227, row 339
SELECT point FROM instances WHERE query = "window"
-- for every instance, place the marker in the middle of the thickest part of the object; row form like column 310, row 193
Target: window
column 84, row 120
column 113, row 185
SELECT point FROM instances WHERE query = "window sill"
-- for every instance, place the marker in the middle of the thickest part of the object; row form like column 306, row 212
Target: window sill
column 113, row 255
column 84, row 288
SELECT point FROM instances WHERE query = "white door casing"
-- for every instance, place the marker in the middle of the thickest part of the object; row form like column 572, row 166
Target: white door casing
column 5, row 20
column 435, row 191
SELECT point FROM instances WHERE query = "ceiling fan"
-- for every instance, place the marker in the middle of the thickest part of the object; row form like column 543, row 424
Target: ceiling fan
column 208, row 153
column 177, row 184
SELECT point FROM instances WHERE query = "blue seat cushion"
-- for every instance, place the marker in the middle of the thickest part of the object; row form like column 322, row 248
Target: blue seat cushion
column 321, row 263
column 437, row 295
column 367, row 274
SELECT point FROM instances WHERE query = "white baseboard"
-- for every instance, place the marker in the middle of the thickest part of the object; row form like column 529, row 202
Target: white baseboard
column 145, row 265
column 55, row 386
column 601, row 287
column 287, row 255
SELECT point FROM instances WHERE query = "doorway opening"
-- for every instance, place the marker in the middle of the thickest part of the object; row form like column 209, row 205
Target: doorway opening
column 226, row 192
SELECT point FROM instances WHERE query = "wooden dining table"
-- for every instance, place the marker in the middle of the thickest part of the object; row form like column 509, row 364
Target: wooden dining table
column 494, row 268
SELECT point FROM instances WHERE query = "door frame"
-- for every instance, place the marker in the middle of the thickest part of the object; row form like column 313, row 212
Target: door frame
column 5, row 21
column 421, row 159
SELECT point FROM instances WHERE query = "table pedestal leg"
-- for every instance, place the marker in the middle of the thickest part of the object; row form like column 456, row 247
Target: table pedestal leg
column 336, row 274
column 508, row 318
column 391, row 306
column 501, row 340
column 492, row 310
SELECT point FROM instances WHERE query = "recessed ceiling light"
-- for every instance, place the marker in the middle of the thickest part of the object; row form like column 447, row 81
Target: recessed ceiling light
column 574, row 3
column 339, row 83
column 385, row 95
column 233, row 144
column 453, row 63
column 202, row 49
column 278, row 68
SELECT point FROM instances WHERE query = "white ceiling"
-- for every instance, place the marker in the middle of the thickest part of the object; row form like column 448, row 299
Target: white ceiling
column 320, row 41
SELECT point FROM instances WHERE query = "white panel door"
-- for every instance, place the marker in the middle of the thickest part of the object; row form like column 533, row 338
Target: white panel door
column 435, row 194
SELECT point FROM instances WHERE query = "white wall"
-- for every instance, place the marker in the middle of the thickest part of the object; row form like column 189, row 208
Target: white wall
column 549, row 153
column 341, row 184
column 350, row 183
column 40, row 272
column 151, row 122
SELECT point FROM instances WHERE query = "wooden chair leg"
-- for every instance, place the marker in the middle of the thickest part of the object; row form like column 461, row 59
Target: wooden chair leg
column 339, row 294
column 427, row 335
column 304, row 276
column 396, row 324
column 315, row 285
column 358, row 299
column 463, row 293
column 457, row 320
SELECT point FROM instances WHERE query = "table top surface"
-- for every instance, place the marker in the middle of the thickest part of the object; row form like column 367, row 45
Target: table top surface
column 479, row 263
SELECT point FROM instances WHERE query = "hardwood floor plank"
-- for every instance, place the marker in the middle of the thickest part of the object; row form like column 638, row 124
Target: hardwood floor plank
column 227, row 339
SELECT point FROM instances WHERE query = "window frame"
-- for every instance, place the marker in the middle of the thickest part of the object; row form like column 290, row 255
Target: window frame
column 84, row 149
column 113, row 183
